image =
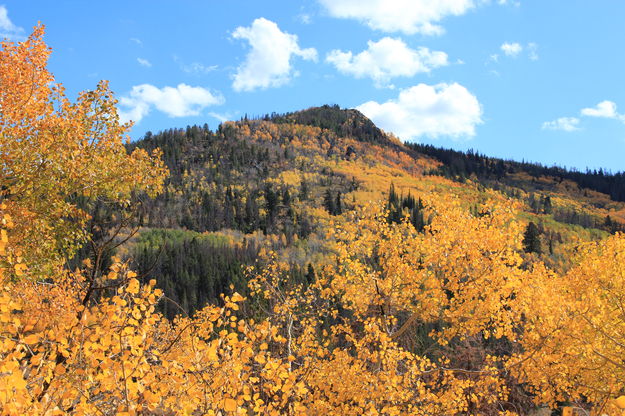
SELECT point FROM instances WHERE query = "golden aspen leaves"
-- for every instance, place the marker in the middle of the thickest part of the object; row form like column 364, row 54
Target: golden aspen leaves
column 82, row 144
column 230, row 405
column 133, row 287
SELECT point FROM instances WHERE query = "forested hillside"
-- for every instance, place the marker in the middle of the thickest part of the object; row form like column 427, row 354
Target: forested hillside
column 297, row 264
column 276, row 180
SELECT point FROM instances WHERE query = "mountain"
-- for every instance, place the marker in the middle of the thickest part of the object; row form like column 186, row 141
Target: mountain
column 273, row 183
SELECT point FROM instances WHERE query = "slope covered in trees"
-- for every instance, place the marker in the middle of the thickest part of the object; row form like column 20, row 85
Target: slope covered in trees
column 279, row 182
column 460, row 165
column 280, row 178
column 282, row 268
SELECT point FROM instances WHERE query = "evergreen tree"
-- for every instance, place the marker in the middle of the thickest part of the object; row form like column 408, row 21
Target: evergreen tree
column 531, row 239
column 303, row 191
column 286, row 198
column 338, row 206
column 310, row 274
column 547, row 206
column 329, row 202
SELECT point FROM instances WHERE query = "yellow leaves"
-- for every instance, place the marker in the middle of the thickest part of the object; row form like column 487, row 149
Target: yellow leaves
column 620, row 402
column 576, row 321
column 31, row 339
column 150, row 397
column 236, row 297
column 133, row 286
column 230, row 405
column 119, row 301
column 82, row 145
column 20, row 268
column 59, row 370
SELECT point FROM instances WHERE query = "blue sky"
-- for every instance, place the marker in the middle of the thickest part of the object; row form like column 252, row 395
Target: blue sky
column 533, row 80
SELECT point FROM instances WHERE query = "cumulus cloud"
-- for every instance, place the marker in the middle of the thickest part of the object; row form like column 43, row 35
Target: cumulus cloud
column 7, row 28
column 567, row 124
column 511, row 49
column 180, row 101
column 428, row 111
column 605, row 109
column 407, row 16
column 268, row 63
column 144, row 62
column 386, row 59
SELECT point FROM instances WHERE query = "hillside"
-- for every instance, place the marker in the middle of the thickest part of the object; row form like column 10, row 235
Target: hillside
column 274, row 183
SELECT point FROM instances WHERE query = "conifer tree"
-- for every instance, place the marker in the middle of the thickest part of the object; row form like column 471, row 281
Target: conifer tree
column 531, row 239
column 329, row 202
column 338, row 206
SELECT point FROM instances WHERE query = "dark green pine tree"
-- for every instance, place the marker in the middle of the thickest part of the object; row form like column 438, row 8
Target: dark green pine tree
column 310, row 274
column 271, row 202
column 303, row 191
column 329, row 202
column 395, row 210
column 547, row 205
column 338, row 206
column 531, row 239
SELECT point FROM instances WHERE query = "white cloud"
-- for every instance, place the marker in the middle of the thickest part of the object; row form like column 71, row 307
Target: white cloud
column 514, row 3
column 563, row 123
column 268, row 63
column 220, row 117
column 197, row 68
column 144, row 62
column 305, row 18
column 386, row 59
column 514, row 50
column 180, row 101
column 605, row 109
column 428, row 110
column 532, row 51
column 511, row 49
column 407, row 16
column 194, row 67
column 7, row 28
column 137, row 41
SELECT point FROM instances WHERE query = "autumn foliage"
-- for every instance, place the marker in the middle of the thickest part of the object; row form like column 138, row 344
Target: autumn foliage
column 447, row 320
column 57, row 156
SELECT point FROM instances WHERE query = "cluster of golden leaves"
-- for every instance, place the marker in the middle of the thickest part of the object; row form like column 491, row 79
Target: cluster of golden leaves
column 343, row 345
column 574, row 339
column 56, row 155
